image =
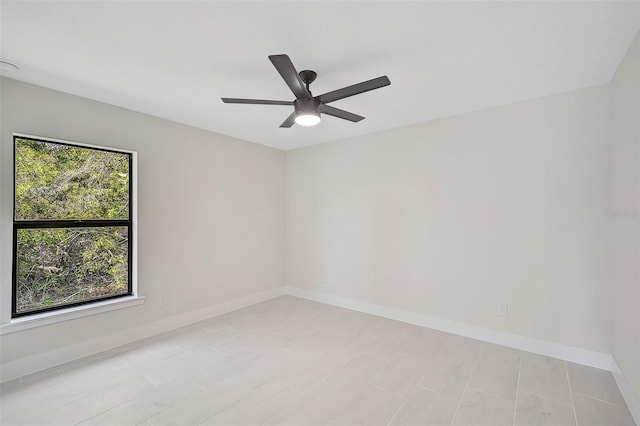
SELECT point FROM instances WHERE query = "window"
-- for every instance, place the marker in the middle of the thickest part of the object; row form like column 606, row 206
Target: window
column 72, row 228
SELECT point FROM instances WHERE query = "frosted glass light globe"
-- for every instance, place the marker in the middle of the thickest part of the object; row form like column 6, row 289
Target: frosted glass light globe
column 307, row 119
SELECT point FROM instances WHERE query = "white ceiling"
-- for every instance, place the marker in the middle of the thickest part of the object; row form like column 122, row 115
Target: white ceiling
column 176, row 59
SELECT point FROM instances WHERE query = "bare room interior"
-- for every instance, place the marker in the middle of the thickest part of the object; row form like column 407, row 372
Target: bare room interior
column 309, row 213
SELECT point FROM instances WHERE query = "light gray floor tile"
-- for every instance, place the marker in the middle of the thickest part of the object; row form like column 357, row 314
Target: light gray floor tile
column 426, row 408
column 48, row 391
column 592, row 412
column 211, row 337
column 259, row 406
column 310, row 341
column 24, row 404
column 387, row 345
column 148, row 404
column 296, row 362
column 95, row 368
column 371, row 406
column 356, row 373
column 180, row 365
column 139, row 356
column 460, row 347
column 532, row 410
column 401, row 375
column 481, row 409
column 424, row 343
column 306, row 370
column 228, row 368
column 316, row 409
column 112, row 393
column 380, row 326
column 448, row 376
column 497, row 372
column 354, row 324
column 200, row 406
column 545, row 377
column 595, row 383
column 351, row 345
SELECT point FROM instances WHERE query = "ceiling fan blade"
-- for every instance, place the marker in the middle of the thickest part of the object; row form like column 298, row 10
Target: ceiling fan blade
column 288, row 72
column 254, row 101
column 340, row 113
column 345, row 92
column 289, row 121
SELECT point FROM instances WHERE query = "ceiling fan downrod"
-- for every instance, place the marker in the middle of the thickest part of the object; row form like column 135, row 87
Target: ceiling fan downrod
column 308, row 77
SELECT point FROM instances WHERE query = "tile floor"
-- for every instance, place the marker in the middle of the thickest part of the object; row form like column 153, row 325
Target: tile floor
column 289, row 361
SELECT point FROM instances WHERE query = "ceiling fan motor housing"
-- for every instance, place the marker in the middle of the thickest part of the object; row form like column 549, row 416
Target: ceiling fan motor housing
column 307, row 106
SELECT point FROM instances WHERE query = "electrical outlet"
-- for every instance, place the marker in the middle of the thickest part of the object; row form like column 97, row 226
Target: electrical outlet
column 503, row 310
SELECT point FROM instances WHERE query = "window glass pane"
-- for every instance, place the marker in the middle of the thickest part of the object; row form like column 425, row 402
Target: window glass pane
column 56, row 182
column 60, row 266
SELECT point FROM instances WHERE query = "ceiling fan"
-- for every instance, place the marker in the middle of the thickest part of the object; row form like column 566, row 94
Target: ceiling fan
column 306, row 107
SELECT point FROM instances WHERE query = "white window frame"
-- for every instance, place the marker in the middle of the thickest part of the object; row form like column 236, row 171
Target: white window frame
column 12, row 325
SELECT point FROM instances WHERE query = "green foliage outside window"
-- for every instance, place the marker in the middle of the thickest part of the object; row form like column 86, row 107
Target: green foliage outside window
column 64, row 264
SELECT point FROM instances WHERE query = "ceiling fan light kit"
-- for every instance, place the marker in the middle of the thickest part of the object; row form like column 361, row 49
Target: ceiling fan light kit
column 307, row 109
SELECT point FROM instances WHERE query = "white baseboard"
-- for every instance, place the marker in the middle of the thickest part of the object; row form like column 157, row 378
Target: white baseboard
column 42, row 361
column 542, row 347
column 630, row 396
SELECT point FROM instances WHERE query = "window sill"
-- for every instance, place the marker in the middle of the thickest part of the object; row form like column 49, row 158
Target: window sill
column 46, row 318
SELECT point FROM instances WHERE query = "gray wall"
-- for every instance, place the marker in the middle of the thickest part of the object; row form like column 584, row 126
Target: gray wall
column 210, row 219
column 625, row 217
column 452, row 217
